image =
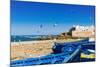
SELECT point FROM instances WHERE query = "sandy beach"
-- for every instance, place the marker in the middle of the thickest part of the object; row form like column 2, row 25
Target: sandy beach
column 29, row 49
column 32, row 49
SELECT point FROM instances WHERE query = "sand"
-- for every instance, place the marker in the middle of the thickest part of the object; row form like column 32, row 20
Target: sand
column 30, row 49
column 33, row 49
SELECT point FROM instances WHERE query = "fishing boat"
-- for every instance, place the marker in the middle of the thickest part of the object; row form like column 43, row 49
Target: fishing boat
column 62, row 53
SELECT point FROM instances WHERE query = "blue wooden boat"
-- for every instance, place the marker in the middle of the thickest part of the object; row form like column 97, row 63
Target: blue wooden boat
column 63, row 52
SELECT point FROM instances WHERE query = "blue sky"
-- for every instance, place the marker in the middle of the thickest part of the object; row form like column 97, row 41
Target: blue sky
column 27, row 17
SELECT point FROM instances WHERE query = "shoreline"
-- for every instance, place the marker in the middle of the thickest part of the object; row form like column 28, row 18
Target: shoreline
column 30, row 42
column 44, row 41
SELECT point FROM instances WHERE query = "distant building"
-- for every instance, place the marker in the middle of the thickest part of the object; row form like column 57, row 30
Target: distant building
column 83, row 31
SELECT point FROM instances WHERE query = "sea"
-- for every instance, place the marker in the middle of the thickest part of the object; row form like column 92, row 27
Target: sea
column 17, row 38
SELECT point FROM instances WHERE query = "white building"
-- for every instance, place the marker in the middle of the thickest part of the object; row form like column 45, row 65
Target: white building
column 83, row 31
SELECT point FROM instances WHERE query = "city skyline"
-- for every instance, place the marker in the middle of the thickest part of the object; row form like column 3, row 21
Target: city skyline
column 35, row 18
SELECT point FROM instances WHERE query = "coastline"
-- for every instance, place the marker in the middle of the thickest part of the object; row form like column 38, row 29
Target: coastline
column 43, row 41
column 30, row 42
